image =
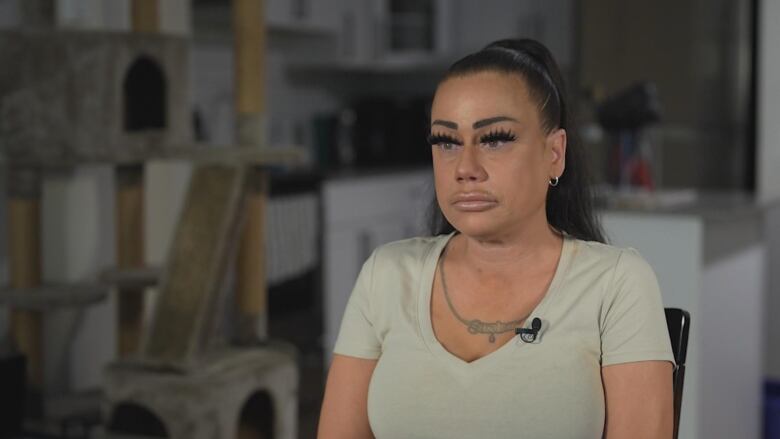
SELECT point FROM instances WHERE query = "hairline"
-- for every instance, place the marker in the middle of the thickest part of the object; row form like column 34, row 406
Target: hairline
column 541, row 101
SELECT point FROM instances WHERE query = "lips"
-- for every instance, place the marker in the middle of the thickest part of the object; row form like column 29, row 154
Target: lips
column 473, row 201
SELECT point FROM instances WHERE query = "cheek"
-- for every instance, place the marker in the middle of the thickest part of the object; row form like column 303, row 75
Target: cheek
column 441, row 186
column 521, row 182
column 442, row 174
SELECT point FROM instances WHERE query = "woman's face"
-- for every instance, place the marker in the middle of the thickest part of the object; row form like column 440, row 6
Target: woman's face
column 492, row 159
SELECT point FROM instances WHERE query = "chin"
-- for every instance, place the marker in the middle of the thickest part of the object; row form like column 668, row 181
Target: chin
column 474, row 226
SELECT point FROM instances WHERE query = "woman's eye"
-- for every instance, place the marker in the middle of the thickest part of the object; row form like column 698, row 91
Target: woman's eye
column 445, row 143
column 447, row 146
column 497, row 139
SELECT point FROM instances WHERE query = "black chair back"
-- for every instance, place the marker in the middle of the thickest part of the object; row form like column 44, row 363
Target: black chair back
column 678, row 322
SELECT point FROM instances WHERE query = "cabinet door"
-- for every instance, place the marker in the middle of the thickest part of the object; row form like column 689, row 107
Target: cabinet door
column 360, row 215
column 305, row 13
column 549, row 21
column 342, row 259
column 358, row 32
column 346, row 250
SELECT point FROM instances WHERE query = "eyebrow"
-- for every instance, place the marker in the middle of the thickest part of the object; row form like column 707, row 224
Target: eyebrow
column 491, row 120
column 475, row 125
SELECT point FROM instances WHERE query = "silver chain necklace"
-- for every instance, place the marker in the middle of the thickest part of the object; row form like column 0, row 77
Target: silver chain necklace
column 477, row 326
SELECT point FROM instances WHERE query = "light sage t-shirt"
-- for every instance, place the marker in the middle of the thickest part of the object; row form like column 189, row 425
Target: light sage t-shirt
column 602, row 307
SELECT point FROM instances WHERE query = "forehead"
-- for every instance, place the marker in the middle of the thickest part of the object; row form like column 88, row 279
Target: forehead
column 483, row 94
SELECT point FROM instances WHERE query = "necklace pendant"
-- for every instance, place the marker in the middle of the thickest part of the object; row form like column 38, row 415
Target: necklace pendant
column 492, row 338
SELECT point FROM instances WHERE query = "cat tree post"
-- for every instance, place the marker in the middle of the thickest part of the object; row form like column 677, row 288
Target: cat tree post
column 251, row 291
column 24, row 242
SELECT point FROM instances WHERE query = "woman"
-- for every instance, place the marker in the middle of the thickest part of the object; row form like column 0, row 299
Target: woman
column 428, row 345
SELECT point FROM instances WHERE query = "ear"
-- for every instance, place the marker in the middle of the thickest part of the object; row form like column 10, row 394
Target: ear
column 556, row 145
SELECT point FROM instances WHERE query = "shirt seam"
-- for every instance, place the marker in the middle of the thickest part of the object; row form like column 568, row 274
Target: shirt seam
column 616, row 356
column 358, row 352
column 610, row 286
column 423, row 292
column 372, row 302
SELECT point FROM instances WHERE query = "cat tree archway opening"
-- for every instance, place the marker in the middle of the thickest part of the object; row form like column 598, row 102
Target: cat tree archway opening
column 145, row 96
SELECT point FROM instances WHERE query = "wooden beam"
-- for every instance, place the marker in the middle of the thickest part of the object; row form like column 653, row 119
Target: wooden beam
column 249, row 23
column 251, row 290
column 24, row 241
column 145, row 16
column 250, row 46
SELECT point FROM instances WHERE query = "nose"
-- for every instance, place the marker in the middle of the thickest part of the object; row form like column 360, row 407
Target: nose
column 469, row 167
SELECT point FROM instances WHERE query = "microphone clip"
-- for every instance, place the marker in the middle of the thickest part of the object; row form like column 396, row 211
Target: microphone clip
column 528, row 335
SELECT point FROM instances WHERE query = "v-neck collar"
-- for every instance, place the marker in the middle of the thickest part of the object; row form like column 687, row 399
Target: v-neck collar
column 424, row 307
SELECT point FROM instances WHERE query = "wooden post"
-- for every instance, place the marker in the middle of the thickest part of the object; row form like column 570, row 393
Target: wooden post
column 145, row 16
column 24, row 242
column 251, row 291
column 249, row 23
column 130, row 253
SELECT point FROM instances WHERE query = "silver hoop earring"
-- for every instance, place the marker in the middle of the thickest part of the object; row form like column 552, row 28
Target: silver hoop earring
column 554, row 181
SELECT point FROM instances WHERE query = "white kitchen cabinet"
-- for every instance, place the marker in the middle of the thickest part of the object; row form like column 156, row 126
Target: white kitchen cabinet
column 476, row 24
column 366, row 29
column 712, row 263
column 362, row 213
column 304, row 15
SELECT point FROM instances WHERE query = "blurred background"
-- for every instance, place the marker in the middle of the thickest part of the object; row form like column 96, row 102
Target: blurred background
column 110, row 110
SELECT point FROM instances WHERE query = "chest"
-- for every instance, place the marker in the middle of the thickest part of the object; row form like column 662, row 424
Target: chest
column 474, row 327
column 552, row 389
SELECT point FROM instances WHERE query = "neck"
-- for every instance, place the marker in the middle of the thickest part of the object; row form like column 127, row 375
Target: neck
column 508, row 254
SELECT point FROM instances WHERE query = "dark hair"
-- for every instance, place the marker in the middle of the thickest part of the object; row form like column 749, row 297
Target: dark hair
column 570, row 203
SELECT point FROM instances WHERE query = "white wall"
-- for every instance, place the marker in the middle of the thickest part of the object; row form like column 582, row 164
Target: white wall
column 732, row 371
column 768, row 94
column 768, row 152
column 772, row 308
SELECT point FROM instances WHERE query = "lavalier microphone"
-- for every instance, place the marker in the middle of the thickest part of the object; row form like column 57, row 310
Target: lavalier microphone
column 528, row 335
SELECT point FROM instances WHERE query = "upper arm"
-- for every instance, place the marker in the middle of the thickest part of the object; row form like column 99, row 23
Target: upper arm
column 358, row 335
column 633, row 324
column 639, row 401
column 344, row 408
column 344, row 411
column 637, row 360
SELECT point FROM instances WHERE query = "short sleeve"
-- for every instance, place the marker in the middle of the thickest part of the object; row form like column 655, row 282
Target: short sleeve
column 357, row 336
column 633, row 323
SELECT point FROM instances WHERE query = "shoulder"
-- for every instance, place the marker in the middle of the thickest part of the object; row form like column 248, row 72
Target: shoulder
column 618, row 259
column 626, row 278
column 613, row 270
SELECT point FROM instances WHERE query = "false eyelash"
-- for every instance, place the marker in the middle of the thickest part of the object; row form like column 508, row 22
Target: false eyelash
column 498, row 136
column 435, row 139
